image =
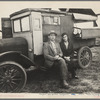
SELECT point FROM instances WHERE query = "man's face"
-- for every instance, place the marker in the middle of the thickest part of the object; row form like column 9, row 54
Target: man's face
column 52, row 37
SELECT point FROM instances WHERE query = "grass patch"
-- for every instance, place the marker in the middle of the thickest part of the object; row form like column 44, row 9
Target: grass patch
column 48, row 82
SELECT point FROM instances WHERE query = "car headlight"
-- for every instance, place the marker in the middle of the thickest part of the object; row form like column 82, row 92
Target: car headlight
column 77, row 31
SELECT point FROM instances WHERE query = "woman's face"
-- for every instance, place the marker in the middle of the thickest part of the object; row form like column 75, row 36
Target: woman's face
column 65, row 38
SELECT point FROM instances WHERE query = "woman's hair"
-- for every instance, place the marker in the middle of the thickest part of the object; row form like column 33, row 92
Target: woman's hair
column 63, row 35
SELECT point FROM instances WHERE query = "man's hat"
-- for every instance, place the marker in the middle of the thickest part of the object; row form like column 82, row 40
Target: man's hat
column 52, row 32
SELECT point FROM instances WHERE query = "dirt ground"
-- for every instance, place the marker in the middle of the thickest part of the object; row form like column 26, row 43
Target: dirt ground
column 88, row 82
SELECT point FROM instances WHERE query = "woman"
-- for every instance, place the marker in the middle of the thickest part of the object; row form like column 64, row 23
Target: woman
column 67, row 49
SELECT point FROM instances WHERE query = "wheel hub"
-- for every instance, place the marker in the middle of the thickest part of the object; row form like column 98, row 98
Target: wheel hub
column 7, row 79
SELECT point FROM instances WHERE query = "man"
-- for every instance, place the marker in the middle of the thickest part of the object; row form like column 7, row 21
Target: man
column 53, row 56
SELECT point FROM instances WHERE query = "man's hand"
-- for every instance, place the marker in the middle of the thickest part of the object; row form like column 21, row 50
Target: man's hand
column 67, row 58
column 57, row 57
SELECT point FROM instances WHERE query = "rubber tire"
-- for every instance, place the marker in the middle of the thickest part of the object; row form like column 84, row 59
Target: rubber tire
column 79, row 54
column 23, row 72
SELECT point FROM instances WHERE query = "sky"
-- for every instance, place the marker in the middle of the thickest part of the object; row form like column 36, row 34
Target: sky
column 9, row 7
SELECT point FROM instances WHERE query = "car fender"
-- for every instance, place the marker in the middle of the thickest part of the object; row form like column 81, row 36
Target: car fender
column 17, row 57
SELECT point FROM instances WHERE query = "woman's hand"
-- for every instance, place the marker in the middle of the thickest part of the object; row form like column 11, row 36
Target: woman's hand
column 67, row 58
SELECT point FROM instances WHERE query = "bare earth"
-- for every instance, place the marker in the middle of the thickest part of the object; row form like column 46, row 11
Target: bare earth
column 88, row 82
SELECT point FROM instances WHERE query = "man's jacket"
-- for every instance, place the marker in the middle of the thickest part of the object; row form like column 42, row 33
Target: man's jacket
column 49, row 53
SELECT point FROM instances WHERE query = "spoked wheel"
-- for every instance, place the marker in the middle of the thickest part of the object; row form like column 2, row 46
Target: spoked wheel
column 12, row 77
column 84, row 57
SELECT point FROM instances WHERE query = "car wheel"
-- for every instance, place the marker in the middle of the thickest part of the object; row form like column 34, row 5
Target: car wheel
column 12, row 77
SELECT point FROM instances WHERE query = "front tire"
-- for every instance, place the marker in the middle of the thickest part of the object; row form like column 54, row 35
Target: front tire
column 12, row 77
column 84, row 57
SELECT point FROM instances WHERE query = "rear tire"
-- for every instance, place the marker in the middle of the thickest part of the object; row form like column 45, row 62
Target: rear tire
column 12, row 77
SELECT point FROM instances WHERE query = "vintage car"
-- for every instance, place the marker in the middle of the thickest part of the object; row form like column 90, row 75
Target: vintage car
column 25, row 32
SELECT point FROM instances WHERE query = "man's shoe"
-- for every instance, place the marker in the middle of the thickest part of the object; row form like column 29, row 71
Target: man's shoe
column 65, row 84
column 75, row 77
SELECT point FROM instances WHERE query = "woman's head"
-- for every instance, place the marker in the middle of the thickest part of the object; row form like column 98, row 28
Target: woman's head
column 65, row 37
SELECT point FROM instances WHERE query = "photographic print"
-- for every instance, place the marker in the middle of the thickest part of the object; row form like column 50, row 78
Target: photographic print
column 49, row 49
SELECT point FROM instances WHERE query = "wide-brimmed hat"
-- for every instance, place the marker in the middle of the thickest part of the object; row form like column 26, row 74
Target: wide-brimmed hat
column 52, row 32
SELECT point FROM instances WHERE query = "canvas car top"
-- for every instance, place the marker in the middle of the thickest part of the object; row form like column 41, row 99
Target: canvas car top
column 48, row 10
column 45, row 10
column 83, row 11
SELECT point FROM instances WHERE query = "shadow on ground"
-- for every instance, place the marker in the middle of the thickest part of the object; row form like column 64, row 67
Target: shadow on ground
column 48, row 82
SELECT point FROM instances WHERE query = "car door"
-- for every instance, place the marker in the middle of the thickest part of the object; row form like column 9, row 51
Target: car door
column 37, row 33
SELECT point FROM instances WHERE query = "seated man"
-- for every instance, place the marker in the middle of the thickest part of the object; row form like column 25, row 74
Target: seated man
column 53, row 55
column 67, row 49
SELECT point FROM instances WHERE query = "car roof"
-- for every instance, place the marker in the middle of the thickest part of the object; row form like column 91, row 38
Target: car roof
column 37, row 10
